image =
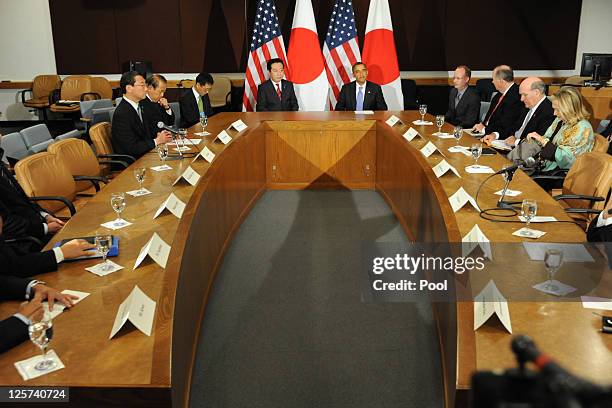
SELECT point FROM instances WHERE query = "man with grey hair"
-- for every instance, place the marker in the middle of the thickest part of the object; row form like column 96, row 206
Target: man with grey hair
column 506, row 106
column 537, row 118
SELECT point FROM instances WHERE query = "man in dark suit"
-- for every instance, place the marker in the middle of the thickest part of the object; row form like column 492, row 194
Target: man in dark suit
column 196, row 101
column 129, row 134
column 537, row 118
column 276, row 94
column 155, row 108
column 463, row 101
column 360, row 94
column 506, row 106
column 600, row 229
column 23, row 217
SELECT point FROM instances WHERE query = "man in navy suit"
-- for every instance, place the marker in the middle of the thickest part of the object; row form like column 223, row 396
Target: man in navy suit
column 361, row 94
column 537, row 118
column 196, row 102
column 506, row 106
column 276, row 94
column 129, row 133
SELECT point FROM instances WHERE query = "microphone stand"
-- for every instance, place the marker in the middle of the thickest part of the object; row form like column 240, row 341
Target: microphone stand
column 508, row 175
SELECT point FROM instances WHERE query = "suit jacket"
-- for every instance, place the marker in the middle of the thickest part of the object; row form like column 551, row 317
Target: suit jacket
column 190, row 114
column 129, row 135
column 503, row 119
column 16, row 262
column 539, row 122
column 152, row 113
column 267, row 98
column 372, row 100
column 467, row 110
column 12, row 330
column 20, row 215
column 599, row 234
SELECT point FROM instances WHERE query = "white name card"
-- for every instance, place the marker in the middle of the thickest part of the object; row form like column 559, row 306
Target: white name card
column 410, row 134
column 393, row 120
column 461, row 198
column 172, row 204
column 429, row 149
column 474, row 239
column 139, row 309
column 239, row 125
column 189, row 176
column 224, row 137
column 206, row 154
column 156, row 249
column 491, row 302
column 441, row 168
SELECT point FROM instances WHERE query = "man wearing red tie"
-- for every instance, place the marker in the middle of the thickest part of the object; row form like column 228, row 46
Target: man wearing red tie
column 506, row 106
column 276, row 94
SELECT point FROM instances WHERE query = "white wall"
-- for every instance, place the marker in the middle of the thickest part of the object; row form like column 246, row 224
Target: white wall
column 595, row 29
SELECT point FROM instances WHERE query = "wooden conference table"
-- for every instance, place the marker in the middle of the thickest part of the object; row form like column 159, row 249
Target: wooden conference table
column 283, row 151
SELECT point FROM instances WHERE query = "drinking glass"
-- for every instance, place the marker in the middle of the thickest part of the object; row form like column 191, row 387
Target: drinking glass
column 162, row 151
column 103, row 244
column 118, row 204
column 203, row 120
column 182, row 133
column 553, row 258
column 439, row 122
column 458, row 132
column 140, row 173
column 529, row 209
column 41, row 333
column 422, row 111
column 476, row 151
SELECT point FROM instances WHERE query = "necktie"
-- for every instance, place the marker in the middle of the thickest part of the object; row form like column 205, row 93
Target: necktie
column 360, row 99
column 494, row 109
column 524, row 125
column 278, row 91
column 457, row 99
column 200, row 104
column 140, row 112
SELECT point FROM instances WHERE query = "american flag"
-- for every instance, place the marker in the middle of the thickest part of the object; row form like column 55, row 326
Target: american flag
column 340, row 49
column 266, row 43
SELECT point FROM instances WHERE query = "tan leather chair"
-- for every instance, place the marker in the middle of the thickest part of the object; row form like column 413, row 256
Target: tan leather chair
column 100, row 135
column 102, row 87
column 74, row 88
column 600, row 144
column 220, row 93
column 586, row 186
column 45, row 179
column 42, row 87
column 82, row 163
column 576, row 80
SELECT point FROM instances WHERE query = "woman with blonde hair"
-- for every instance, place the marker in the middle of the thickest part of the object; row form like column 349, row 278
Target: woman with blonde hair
column 570, row 134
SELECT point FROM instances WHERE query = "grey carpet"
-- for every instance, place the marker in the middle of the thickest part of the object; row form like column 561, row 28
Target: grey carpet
column 285, row 326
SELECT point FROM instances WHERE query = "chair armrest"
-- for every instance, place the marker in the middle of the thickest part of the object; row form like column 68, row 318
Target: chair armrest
column 117, row 156
column 578, row 197
column 536, row 177
column 85, row 119
column 95, row 180
column 121, row 163
column 581, row 211
column 64, row 200
column 22, row 92
column 227, row 97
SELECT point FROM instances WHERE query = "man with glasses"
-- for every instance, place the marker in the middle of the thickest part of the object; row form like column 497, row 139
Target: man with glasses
column 196, row 102
column 129, row 134
column 463, row 101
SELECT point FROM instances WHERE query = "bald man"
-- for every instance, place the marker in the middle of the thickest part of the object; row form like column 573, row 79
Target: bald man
column 506, row 106
column 537, row 118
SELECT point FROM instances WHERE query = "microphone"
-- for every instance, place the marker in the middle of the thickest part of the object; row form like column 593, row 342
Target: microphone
column 162, row 125
column 519, row 164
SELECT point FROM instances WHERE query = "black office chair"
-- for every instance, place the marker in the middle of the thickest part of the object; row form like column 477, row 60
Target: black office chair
column 411, row 99
column 486, row 89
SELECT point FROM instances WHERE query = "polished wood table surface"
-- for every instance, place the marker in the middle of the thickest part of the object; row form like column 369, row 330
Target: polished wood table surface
column 286, row 151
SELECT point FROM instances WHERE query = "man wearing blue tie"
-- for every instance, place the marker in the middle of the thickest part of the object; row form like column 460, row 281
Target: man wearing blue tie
column 361, row 94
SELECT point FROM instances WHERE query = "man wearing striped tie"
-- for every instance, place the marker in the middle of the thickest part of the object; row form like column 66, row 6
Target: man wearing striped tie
column 276, row 94
column 361, row 94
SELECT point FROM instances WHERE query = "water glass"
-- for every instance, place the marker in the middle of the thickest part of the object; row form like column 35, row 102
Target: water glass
column 476, row 151
column 529, row 209
column 103, row 244
column 162, row 151
column 422, row 111
column 118, row 204
column 41, row 333
column 439, row 122
column 140, row 173
column 553, row 259
column 203, row 120
column 457, row 133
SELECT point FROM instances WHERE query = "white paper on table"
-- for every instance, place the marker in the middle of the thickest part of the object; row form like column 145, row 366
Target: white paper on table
column 163, row 167
column 420, row 122
column 410, row 134
column 190, row 176
column 157, row 249
column 191, row 141
column 172, row 204
column 509, row 193
column 139, row 193
column 475, row 134
column 139, row 309
column 115, row 225
column 224, row 137
column 97, row 269
column 500, row 145
column 58, row 308
column 393, row 120
column 478, row 169
column 523, row 233
column 444, row 135
column 181, row 149
column 26, row 367
column 488, row 302
column 460, row 149
column 474, row 239
column 561, row 288
column 429, row 149
column 538, row 218
column 441, row 168
column 461, row 198
column 571, row 252
column 591, row 302
column 364, row 112
column 202, row 133
column 239, row 125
